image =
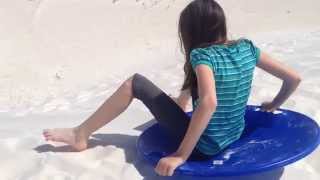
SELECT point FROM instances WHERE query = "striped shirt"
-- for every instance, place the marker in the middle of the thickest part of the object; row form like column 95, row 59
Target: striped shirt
column 233, row 66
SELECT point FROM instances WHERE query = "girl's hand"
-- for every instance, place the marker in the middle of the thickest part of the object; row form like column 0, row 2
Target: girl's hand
column 268, row 106
column 167, row 165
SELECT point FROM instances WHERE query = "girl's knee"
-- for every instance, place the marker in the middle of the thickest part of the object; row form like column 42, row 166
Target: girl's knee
column 128, row 85
column 135, row 80
column 132, row 83
column 136, row 77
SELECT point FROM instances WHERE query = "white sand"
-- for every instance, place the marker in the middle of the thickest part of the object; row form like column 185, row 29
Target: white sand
column 61, row 59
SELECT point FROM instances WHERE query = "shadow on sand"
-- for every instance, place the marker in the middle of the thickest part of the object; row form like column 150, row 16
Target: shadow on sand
column 128, row 144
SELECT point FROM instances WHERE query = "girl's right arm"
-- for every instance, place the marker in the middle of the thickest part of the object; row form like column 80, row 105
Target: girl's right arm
column 291, row 80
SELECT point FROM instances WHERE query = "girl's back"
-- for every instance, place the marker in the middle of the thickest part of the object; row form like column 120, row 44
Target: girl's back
column 233, row 66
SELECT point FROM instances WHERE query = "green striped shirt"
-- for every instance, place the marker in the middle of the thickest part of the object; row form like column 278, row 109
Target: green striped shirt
column 233, row 66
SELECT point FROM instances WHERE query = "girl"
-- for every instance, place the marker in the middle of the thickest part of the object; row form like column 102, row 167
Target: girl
column 218, row 76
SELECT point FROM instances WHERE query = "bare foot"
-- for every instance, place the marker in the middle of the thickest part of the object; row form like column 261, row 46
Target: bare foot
column 70, row 136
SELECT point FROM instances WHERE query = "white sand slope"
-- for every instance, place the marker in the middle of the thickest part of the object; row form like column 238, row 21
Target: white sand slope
column 60, row 59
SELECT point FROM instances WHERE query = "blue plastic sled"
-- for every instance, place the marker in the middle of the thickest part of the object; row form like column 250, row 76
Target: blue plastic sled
column 269, row 141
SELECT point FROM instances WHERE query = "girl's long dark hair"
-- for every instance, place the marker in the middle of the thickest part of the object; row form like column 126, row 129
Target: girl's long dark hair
column 201, row 23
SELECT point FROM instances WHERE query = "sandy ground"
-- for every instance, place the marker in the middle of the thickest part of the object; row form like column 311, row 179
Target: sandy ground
column 61, row 59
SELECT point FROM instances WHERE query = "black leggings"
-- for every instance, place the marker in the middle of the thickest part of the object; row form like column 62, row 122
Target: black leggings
column 168, row 114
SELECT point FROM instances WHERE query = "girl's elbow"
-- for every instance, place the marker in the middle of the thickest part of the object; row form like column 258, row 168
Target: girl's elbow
column 214, row 105
column 211, row 102
column 296, row 79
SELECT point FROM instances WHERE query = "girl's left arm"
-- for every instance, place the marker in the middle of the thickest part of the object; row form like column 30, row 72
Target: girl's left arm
column 199, row 121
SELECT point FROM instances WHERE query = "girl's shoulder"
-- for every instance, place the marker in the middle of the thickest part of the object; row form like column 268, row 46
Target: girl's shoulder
column 213, row 49
column 241, row 42
column 246, row 41
column 229, row 44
